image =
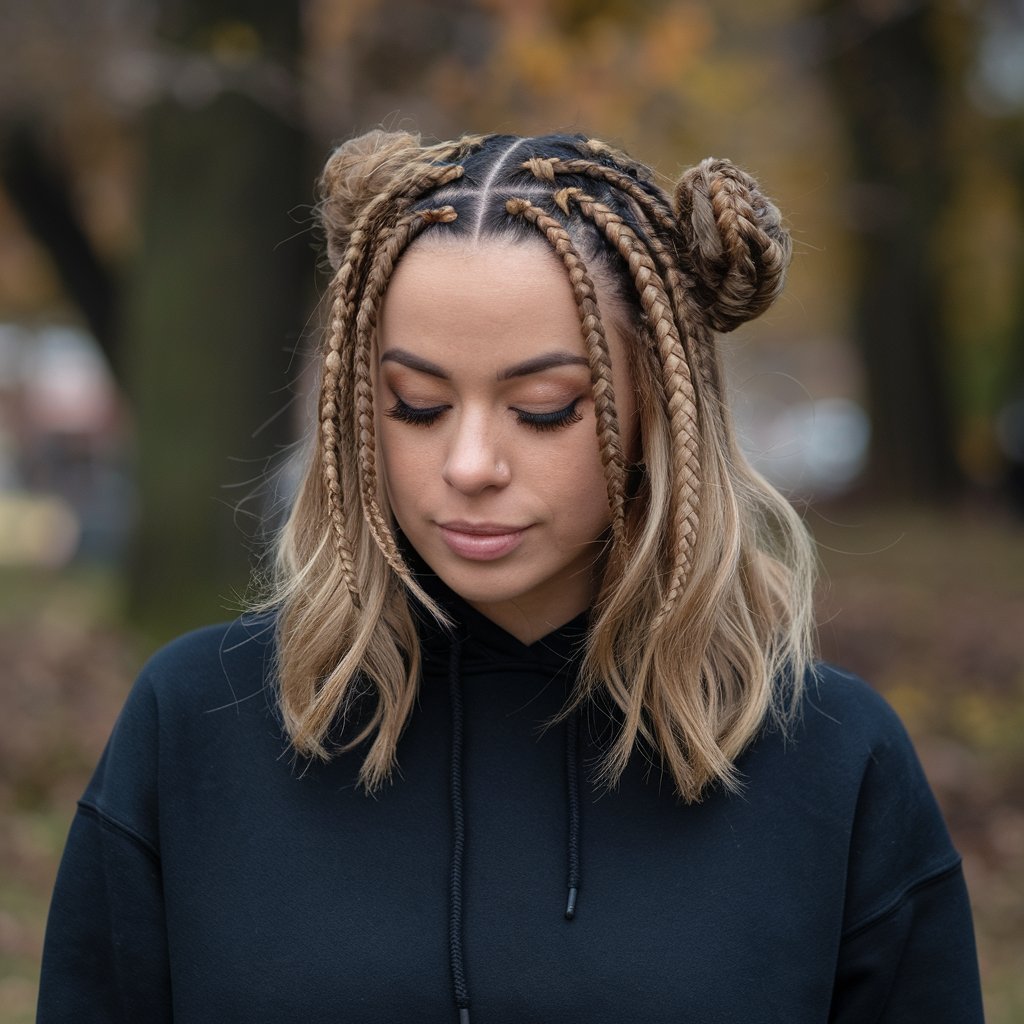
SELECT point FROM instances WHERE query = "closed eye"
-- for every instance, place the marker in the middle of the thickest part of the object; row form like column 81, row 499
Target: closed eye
column 425, row 417
column 405, row 413
column 551, row 420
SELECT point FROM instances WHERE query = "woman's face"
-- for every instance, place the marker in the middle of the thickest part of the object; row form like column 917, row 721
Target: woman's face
column 487, row 431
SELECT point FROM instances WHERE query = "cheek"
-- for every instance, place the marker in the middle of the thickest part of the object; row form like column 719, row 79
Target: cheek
column 411, row 454
column 574, row 480
column 401, row 466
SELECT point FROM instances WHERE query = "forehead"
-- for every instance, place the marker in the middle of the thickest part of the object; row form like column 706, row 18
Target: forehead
column 518, row 292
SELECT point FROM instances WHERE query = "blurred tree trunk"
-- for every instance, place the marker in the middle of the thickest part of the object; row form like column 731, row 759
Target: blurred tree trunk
column 1012, row 429
column 213, row 313
column 39, row 189
column 891, row 89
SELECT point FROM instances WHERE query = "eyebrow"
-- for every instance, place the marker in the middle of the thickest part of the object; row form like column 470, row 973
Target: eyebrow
column 544, row 362
column 536, row 365
column 399, row 355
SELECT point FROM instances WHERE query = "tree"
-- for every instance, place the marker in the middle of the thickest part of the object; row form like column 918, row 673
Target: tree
column 891, row 88
column 38, row 188
column 214, row 304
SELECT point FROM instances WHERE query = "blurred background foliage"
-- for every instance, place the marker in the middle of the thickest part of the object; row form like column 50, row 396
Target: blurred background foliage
column 160, row 288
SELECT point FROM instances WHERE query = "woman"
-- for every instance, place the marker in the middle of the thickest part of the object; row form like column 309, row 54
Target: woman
column 533, row 600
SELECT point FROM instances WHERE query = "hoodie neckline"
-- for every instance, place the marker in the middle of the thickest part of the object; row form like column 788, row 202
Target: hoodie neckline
column 485, row 644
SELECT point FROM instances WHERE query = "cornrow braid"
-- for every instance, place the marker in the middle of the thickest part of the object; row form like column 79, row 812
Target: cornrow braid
column 652, row 207
column 677, row 375
column 390, row 246
column 597, row 356
column 659, row 215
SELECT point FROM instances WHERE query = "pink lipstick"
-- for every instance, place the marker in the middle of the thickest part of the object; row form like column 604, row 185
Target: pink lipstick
column 481, row 542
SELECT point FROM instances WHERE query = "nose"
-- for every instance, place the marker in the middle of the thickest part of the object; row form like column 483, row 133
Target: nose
column 475, row 460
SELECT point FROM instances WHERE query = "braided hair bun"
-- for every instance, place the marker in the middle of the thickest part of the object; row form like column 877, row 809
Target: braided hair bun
column 734, row 240
column 356, row 172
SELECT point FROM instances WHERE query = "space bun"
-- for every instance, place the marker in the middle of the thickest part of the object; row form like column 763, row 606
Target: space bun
column 356, row 171
column 733, row 237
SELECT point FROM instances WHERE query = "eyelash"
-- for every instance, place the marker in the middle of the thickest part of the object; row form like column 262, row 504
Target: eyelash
column 551, row 420
column 541, row 421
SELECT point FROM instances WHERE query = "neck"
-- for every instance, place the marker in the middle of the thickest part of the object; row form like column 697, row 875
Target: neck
column 529, row 625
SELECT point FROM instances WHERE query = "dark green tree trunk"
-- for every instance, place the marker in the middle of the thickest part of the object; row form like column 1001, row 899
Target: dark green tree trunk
column 890, row 88
column 214, row 309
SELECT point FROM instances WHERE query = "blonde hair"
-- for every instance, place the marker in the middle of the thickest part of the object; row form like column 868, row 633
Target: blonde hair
column 702, row 626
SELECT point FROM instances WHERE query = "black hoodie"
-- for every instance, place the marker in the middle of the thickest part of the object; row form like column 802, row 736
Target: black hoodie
column 209, row 877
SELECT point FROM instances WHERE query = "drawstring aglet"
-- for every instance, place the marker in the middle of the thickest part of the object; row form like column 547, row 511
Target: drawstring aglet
column 570, row 907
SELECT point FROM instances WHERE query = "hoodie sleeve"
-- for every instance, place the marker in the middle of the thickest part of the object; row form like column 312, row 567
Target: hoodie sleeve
column 907, row 954
column 916, row 964
column 105, row 954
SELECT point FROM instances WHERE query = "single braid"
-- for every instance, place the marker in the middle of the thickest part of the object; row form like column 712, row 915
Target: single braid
column 332, row 400
column 619, row 157
column 445, row 152
column 336, row 394
column 390, row 246
column 677, row 377
column 598, row 357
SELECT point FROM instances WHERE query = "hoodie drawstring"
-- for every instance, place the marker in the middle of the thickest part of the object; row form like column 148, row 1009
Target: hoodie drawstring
column 456, row 946
column 572, row 785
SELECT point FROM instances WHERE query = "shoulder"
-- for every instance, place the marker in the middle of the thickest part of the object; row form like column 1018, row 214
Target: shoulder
column 204, row 698
column 848, row 716
column 210, row 686
column 840, row 726
column 848, row 761
column 898, row 838
column 218, row 666
column 834, row 698
column 845, row 720
column 845, row 726
column 208, row 661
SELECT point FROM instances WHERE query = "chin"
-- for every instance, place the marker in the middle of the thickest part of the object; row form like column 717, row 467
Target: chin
column 484, row 584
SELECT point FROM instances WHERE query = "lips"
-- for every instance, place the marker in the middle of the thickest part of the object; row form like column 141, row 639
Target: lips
column 481, row 542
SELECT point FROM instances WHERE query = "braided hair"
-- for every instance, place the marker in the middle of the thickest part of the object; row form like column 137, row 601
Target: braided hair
column 702, row 623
